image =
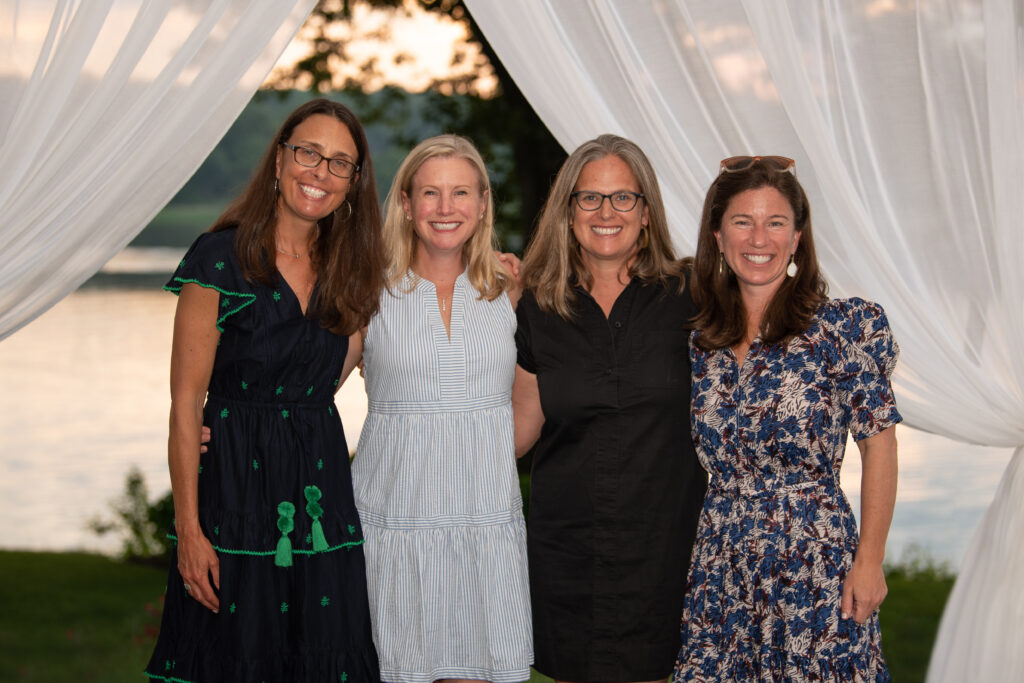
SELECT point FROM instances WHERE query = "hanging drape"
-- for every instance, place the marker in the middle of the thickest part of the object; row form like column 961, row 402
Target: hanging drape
column 906, row 120
column 106, row 108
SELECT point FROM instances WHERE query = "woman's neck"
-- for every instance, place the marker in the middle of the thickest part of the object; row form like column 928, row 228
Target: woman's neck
column 608, row 280
column 438, row 268
column 295, row 238
column 607, row 274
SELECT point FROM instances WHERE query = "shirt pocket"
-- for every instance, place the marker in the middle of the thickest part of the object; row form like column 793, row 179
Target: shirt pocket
column 661, row 359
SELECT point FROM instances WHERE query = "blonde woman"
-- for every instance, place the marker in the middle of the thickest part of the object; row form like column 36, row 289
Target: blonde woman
column 434, row 476
column 603, row 389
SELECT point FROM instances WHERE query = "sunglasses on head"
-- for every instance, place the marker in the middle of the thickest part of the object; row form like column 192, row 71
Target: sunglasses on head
column 742, row 163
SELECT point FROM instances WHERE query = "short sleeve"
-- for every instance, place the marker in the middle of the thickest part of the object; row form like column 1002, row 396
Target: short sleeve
column 866, row 360
column 524, row 349
column 210, row 262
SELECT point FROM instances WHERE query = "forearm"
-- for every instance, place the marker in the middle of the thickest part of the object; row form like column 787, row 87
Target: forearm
column 526, row 431
column 877, row 494
column 527, row 413
column 183, row 463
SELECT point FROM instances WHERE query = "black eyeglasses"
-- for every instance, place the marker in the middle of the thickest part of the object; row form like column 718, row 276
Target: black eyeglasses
column 310, row 158
column 621, row 201
column 733, row 164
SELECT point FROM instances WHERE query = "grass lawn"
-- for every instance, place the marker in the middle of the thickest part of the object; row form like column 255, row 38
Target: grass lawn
column 79, row 617
column 910, row 620
column 76, row 617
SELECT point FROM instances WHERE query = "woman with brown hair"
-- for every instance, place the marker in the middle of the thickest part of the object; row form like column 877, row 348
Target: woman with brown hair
column 780, row 586
column 602, row 388
column 267, row 579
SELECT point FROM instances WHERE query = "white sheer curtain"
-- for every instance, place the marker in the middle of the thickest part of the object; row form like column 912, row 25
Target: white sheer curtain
column 106, row 108
column 906, row 119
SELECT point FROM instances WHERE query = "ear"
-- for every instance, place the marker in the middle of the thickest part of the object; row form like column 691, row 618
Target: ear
column 718, row 239
column 645, row 218
column 483, row 204
column 277, row 163
column 406, row 204
column 796, row 239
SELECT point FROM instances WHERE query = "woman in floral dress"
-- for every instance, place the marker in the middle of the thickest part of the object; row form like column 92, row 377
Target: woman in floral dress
column 780, row 586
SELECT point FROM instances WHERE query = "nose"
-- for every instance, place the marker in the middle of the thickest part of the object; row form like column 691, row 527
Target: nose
column 444, row 204
column 758, row 234
column 606, row 210
column 320, row 170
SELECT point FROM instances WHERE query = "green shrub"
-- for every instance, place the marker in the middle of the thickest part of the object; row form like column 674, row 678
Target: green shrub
column 142, row 525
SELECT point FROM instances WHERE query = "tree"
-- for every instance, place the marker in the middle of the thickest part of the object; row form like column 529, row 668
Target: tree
column 521, row 152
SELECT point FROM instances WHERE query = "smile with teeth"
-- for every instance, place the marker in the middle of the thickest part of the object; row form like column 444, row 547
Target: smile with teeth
column 601, row 230
column 312, row 192
column 444, row 227
column 759, row 259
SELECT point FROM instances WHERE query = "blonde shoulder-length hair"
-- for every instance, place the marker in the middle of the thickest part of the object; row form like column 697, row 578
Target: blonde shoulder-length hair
column 483, row 268
column 552, row 264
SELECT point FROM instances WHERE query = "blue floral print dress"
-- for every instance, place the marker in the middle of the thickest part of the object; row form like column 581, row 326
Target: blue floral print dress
column 777, row 535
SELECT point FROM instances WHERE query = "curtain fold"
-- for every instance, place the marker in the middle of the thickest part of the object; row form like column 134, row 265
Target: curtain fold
column 107, row 107
column 907, row 123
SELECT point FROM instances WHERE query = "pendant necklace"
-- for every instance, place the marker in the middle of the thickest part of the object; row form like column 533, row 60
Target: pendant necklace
column 287, row 253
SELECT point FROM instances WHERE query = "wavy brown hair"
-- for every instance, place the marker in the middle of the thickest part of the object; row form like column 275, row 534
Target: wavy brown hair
column 347, row 255
column 552, row 263
column 722, row 317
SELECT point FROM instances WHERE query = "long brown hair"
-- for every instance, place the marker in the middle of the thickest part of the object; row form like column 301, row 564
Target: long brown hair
column 552, row 262
column 483, row 269
column 722, row 317
column 348, row 253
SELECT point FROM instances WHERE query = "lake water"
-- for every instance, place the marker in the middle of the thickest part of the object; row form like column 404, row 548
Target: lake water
column 85, row 397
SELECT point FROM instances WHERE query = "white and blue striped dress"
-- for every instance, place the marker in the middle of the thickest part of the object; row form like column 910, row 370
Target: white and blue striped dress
column 437, row 491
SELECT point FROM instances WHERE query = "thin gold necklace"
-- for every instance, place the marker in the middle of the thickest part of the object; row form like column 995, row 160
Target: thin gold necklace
column 287, row 253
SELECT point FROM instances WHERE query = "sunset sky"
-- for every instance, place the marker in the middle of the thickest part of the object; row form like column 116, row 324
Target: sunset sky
column 389, row 37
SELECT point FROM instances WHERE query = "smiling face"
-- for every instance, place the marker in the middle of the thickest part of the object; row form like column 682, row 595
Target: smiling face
column 607, row 235
column 308, row 194
column 445, row 204
column 757, row 236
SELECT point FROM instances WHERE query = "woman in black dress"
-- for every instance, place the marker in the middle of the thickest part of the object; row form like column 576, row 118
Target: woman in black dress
column 267, row 581
column 603, row 390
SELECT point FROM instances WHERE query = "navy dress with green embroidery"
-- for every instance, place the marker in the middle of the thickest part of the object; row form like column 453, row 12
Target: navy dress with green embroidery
column 275, row 499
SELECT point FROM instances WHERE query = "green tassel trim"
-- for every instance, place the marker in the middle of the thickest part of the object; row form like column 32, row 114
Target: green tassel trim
column 313, row 509
column 285, row 523
column 267, row 553
column 319, row 540
column 283, row 555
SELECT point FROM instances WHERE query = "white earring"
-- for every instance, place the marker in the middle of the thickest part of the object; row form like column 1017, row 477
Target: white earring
column 791, row 268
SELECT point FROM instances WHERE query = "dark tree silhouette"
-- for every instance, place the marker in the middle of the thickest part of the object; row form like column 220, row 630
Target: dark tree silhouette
column 502, row 124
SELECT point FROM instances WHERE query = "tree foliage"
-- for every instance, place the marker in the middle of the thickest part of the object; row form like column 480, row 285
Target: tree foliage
column 141, row 525
column 523, row 155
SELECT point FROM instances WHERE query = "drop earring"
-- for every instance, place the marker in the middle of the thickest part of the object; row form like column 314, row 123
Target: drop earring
column 721, row 263
column 791, row 268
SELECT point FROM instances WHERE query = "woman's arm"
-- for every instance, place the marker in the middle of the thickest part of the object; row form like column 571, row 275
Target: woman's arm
column 527, row 413
column 865, row 587
column 354, row 356
column 192, row 353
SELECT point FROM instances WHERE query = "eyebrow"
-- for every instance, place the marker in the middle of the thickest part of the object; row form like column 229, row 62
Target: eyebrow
column 320, row 148
column 751, row 216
